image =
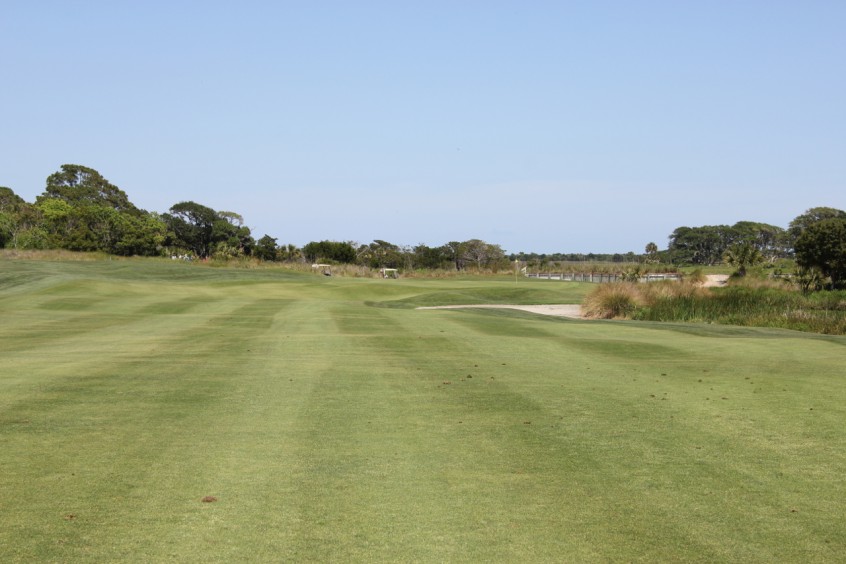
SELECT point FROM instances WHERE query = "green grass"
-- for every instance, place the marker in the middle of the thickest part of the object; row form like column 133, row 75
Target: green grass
column 765, row 306
column 330, row 429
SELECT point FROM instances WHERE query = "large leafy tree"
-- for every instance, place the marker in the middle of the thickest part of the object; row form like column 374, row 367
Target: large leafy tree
column 770, row 240
column 810, row 217
column 9, row 201
column 700, row 245
column 81, row 186
column 329, row 251
column 18, row 222
column 191, row 227
column 266, row 248
column 430, row 257
column 143, row 235
column 707, row 245
column 82, row 211
column 454, row 250
column 207, row 232
column 381, row 254
column 822, row 246
column 482, row 253
column 230, row 235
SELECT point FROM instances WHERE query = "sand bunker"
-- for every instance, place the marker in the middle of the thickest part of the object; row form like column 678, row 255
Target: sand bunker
column 561, row 310
column 573, row 311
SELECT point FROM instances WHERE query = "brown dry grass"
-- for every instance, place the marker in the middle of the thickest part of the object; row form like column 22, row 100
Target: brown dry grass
column 620, row 300
column 51, row 254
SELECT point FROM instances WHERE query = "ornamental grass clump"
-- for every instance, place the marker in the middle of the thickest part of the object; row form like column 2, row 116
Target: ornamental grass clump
column 614, row 300
column 661, row 301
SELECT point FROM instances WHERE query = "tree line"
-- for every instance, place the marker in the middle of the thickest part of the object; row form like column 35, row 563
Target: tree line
column 816, row 239
column 80, row 210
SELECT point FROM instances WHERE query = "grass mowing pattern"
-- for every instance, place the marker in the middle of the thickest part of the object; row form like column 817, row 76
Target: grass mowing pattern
column 328, row 429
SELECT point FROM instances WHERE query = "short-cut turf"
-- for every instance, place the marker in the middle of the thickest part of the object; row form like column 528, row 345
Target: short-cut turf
column 154, row 411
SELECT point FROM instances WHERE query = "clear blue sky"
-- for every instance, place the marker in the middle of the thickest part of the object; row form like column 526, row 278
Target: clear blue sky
column 541, row 126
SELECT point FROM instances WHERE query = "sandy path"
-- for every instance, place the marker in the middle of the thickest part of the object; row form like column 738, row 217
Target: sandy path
column 562, row 310
column 715, row 280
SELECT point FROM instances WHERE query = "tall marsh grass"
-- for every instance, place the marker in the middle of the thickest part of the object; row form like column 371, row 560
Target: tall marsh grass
column 610, row 301
column 629, row 299
column 757, row 304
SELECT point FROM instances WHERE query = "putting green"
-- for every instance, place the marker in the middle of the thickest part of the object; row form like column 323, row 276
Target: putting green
column 330, row 420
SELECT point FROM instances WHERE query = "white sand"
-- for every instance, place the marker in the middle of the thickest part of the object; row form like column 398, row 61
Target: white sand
column 567, row 310
column 712, row 280
column 561, row 310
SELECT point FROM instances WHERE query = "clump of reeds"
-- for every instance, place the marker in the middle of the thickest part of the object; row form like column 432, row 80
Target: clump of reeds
column 667, row 301
column 758, row 304
column 612, row 301
column 632, row 299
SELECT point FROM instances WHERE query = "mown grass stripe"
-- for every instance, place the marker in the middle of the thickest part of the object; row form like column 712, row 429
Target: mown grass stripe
column 328, row 429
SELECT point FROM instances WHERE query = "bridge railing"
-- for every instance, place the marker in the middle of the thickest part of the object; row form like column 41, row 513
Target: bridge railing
column 600, row 277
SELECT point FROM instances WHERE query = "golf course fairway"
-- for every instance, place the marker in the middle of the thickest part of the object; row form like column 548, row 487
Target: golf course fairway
column 158, row 411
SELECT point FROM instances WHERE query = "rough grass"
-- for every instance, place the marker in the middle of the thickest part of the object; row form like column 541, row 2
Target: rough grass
column 609, row 301
column 134, row 393
column 752, row 303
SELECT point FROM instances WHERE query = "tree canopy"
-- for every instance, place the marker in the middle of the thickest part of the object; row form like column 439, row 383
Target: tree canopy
column 811, row 216
column 707, row 245
column 82, row 186
column 330, row 251
column 206, row 232
column 80, row 210
column 822, row 246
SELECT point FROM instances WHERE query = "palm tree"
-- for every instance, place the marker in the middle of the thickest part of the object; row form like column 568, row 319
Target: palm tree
column 651, row 252
column 742, row 256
